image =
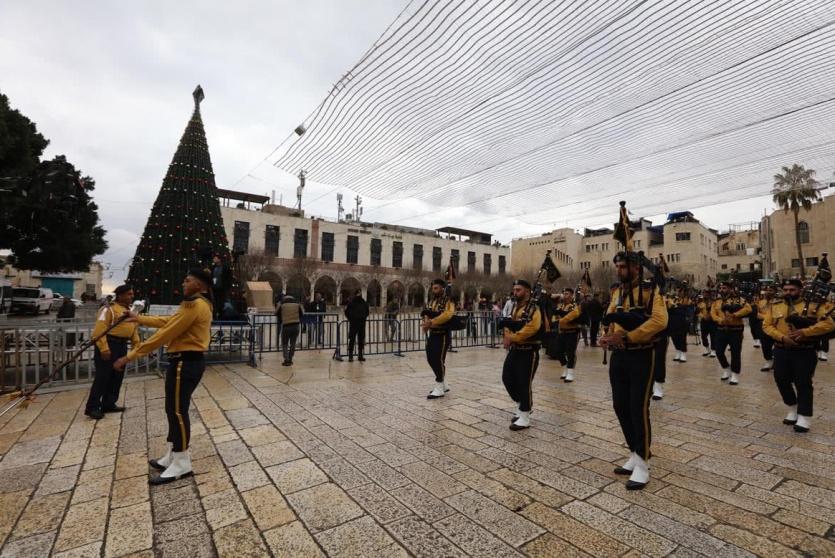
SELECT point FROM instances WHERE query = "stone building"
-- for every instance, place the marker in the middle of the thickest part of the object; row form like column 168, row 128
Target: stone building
column 688, row 246
column 68, row 284
column 739, row 251
column 301, row 255
column 777, row 237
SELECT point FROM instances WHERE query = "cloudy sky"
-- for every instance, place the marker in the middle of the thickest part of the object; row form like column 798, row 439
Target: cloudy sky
column 109, row 83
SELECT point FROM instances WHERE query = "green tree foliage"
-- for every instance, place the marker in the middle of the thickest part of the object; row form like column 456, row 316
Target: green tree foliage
column 794, row 189
column 47, row 218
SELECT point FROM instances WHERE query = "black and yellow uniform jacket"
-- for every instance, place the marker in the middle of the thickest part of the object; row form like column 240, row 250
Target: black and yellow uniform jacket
column 729, row 320
column 675, row 301
column 763, row 304
column 530, row 331
column 188, row 329
column 703, row 309
column 107, row 315
column 568, row 323
column 446, row 314
column 655, row 324
column 776, row 326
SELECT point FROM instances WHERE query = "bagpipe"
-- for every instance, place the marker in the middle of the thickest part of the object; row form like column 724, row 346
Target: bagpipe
column 24, row 396
column 547, row 268
column 814, row 292
column 457, row 321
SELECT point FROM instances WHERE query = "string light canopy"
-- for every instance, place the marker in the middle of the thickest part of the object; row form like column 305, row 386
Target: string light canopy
column 575, row 103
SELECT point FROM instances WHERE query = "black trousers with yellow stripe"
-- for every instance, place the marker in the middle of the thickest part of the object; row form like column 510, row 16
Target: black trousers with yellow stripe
column 631, row 375
column 437, row 345
column 520, row 366
column 184, row 374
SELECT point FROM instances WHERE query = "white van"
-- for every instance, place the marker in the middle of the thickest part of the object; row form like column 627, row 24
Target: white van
column 31, row 300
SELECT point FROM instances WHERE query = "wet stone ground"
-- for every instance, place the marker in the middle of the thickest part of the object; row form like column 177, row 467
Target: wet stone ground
column 353, row 460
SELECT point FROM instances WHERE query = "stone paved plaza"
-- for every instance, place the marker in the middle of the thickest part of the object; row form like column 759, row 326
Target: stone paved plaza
column 353, row 460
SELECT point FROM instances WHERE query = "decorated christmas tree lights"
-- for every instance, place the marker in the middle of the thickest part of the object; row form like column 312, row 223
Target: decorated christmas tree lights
column 185, row 228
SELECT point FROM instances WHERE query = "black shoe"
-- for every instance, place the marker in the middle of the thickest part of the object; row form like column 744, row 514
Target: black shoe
column 515, row 427
column 166, row 480
column 634, row 485
column 114, row 409
column 361, row 358
column 286, row 363
column 798, row 428
column 789, row 421
column 622, row 471
column 94, row 414
column 155, row 464
column 350, row 359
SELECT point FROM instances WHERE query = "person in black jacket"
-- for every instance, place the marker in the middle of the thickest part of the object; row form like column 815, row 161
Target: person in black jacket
column 594, row 310
column 221, row 284
column 357, row 313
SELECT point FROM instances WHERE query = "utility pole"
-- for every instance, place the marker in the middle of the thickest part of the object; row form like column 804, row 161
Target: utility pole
column 339, row 208
column 358, row 210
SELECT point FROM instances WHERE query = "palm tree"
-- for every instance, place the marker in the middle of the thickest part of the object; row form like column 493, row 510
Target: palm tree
column 796, row 188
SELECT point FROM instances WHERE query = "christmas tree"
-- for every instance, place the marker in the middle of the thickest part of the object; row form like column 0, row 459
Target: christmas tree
column 185, row 229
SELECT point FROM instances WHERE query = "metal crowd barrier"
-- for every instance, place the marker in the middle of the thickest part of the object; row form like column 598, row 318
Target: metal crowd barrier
column 29, row 353
column 403, row 334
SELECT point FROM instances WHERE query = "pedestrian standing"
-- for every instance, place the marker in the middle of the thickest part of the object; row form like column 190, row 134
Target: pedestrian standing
column 289, row 315
column 356, row 312
column 107, row 383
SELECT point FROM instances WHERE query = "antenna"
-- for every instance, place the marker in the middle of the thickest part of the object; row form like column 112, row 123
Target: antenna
column 302, row 176
column 358, row 210
column 339, row 208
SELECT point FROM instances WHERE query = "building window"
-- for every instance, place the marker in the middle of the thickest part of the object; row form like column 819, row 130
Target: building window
column 724, row 266
column 271, row 236
column 328, row 242
column 796, row 262
column 396, row 254
column 90, row 289
column 455, row 255
column 353, row 249
column 300, row 243
column 812, row 262
column 682, row 236
column 588, row 247
column 417, row 256
column 740, row 246
column 376, row 251
column 488, row 263
column 437, row 256
column 803, row 232
column 240, row 237
column 471, row 262
column 502, row 265
column 751, row 267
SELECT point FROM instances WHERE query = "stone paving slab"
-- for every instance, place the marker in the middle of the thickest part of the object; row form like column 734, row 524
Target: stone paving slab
column 353, row 460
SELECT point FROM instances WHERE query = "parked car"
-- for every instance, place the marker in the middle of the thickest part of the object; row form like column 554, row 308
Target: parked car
column 31, row 300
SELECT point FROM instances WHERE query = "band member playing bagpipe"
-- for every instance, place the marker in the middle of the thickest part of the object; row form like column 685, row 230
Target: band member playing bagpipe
column 765, row 301
column 707, row 327
column 570, row 314
column 823, row 342
column 635, row 317
column 436, row 325
column 728, row 311
column 522, row 335
column 662, row 340
column 678, row 307
column 186, row 335
column 796, row 323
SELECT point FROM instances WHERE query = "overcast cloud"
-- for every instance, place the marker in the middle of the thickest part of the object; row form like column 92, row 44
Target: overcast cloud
column 109, row 83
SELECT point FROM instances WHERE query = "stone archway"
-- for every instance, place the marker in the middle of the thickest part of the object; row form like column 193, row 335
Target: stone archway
column 374, row 293
column 298, row 286
column 416, row 295
column 395, row 291
column 326, row 285
column 348, row 288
